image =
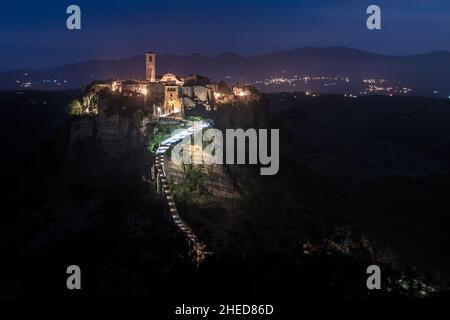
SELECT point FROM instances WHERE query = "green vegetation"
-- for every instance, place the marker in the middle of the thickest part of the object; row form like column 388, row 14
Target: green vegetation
column 75, row 108
column 194, row 118
column 191, row 119
column 191, row 184
column 161, row 133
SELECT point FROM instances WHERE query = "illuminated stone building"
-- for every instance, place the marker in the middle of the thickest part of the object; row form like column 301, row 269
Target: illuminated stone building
column 171, row 79
column 172, row 100
column 150, row 66
column 135, row 87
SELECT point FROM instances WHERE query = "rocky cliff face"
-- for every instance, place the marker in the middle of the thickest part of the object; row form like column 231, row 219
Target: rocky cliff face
column 211, row 180
column 208, row 200
column 102, row 147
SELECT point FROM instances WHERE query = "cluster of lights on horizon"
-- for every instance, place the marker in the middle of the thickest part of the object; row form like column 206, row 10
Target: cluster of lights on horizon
column 369, row 85
column 384, row 86
column 27, row 83
column 293, row 81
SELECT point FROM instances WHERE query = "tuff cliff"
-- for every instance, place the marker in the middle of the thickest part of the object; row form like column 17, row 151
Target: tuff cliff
column 102, row 147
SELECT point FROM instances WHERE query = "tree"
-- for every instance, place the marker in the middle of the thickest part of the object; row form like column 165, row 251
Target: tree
column 75, row 108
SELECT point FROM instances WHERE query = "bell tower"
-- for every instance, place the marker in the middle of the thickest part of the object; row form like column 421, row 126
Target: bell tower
column 150, row 66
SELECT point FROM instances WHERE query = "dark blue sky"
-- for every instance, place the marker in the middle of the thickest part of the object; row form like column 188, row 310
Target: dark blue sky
column 34, row 34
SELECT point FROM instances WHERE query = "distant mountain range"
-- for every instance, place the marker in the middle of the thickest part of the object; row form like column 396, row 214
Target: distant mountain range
column 425, row 73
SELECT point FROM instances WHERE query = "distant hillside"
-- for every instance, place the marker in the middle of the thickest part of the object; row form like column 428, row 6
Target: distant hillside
column 424, row 73
column 368, row 137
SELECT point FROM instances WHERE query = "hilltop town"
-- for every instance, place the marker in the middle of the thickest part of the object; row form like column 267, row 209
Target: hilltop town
column 170, row 94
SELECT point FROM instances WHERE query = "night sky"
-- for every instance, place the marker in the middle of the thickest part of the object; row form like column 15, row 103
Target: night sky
column 34, row 33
